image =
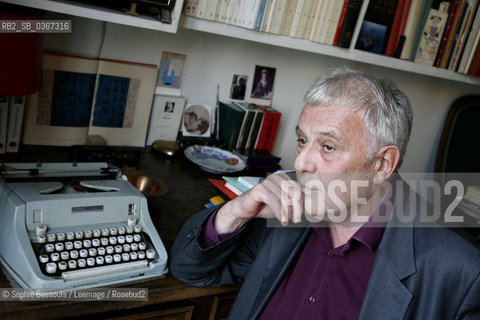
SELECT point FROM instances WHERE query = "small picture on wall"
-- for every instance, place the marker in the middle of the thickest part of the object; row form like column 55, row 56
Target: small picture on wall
column 197, row 121
column 239, row 86
column 171, row 73
column 263, row 82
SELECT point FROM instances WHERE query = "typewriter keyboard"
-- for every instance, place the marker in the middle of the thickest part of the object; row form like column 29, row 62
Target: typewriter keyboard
column 85, row 253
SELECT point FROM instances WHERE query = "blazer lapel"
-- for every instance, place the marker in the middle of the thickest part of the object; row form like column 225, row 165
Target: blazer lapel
column 394, row 262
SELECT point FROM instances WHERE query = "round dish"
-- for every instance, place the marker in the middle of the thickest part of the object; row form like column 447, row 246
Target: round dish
column 214, row 160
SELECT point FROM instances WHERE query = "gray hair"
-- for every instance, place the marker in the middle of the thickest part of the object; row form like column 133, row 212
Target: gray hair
column 387, row 113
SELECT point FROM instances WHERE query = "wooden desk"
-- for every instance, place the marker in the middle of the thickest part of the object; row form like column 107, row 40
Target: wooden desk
column 168, row 298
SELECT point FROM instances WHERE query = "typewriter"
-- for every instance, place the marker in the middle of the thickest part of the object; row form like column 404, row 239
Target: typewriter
column 75, row 225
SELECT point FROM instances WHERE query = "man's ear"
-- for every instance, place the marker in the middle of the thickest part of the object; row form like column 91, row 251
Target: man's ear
column 386, row 163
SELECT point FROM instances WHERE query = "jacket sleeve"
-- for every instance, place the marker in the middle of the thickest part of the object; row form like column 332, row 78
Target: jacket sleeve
column 226, row 262
column 470, row 308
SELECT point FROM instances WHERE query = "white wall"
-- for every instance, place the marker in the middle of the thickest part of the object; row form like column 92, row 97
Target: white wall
column 212, row 60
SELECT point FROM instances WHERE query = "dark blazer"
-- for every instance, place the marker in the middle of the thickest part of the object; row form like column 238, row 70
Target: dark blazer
column 418, row 273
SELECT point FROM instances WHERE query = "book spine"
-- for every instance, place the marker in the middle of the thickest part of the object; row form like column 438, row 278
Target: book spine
column 296, row 18
column 351, row 17
column 459, row 35
column 15, row 121
column 268, row 130
column 201, row 7
column 252, row 137
column 3, row 122
column 451, row 35
column 317, row 20
column 211, row 9
column 392, row 39
column 302, row 24
column 288, row 18
column 334, row 22
column 422, row 18
column 472, row 42
column 341, row 20
column 410, row 28
column 261, row 11
column 448, row 24
column 311, row 19
column 463, row 35
column 277, row 17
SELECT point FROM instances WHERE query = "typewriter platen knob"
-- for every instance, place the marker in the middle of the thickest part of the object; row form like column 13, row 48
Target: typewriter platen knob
column 41, row 230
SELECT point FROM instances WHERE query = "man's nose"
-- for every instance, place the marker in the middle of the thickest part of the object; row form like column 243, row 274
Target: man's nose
column 304, row 160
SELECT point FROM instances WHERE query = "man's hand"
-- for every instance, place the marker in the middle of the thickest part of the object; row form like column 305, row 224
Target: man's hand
column 277, row 196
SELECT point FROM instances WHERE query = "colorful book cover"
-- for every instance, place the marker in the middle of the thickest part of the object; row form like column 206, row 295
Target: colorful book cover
column 371, row 37
column 431, row 37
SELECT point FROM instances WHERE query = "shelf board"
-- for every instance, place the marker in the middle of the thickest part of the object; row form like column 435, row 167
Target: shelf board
column 318, row 48
column 76, row 8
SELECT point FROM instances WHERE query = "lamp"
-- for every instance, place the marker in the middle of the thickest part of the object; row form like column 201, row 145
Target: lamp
column 21, row 54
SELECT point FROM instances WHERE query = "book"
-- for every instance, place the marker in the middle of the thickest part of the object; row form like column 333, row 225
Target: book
column 277, row 16
column 257, row 157
column 341, row 21
column 317, row 20
column 454, row 25
column 311, row 19
column 422, row 20
column 448, row 24
column 474, row 68
column 234, row 185
column 250, row 111
column 252, row 136
column 400, row 40
column 211, row 9
column 260, row 14
column 392, row 38
column 249, row 181
column 351, row 17
column 410, row 28
column 16, row 106
column 165, row 118
column 371, row 37
column 463, row 34
column 296, row 18
column 268, row 15
column 230, row 122
column 302, row 24
column 189, row 8
column 430, row 39
column 288, row 17
column 201, row 9
column 84, row 96
column 471, row 44
column 220, row 184
column 335, row 17
column 268, row 128
column 3, row 122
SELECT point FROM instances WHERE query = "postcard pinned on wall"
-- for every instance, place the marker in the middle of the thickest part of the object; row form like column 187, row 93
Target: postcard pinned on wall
column 238, row 87
column 166, row 118
column 171, row 73
column 263, row 83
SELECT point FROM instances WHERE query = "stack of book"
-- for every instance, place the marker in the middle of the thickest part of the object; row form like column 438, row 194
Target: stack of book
column 324, row 21
column 233, row 187
column 259, row 159
column 443, row 34
column 247, row 126
column 11, row 121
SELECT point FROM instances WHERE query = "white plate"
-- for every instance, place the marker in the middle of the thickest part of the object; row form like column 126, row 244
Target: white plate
column 214, row 160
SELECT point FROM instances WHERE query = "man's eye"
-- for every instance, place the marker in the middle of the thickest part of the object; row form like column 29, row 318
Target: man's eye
column 328, row 148
column 301, row 141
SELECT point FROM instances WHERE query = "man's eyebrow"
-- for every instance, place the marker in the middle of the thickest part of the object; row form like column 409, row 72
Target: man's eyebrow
column 330, row 134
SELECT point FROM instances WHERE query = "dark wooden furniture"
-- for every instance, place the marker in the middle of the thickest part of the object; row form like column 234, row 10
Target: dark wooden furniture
column 168, row 298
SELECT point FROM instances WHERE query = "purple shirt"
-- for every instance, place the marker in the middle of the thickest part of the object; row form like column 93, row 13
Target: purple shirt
column 325, row 282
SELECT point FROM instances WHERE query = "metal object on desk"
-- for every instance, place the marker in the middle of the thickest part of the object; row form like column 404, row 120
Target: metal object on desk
column 148, row 185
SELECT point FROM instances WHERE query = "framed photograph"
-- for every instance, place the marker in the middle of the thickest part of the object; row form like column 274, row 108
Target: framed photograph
column 238, row 87
column 166, row 117
column 262, row 88
column 197, row 121
column 171, row 73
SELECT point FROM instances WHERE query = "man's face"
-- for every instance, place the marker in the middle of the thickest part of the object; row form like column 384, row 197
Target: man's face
column 331, row 154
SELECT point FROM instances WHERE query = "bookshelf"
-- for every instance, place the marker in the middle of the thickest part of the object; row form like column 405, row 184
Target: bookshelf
column 86, row 10
column 80, row 9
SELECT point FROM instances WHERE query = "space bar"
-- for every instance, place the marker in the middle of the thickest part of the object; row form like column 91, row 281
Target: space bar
column 95, row 271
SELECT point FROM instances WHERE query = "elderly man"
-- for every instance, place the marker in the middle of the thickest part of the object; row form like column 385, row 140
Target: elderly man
column 345, row 262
